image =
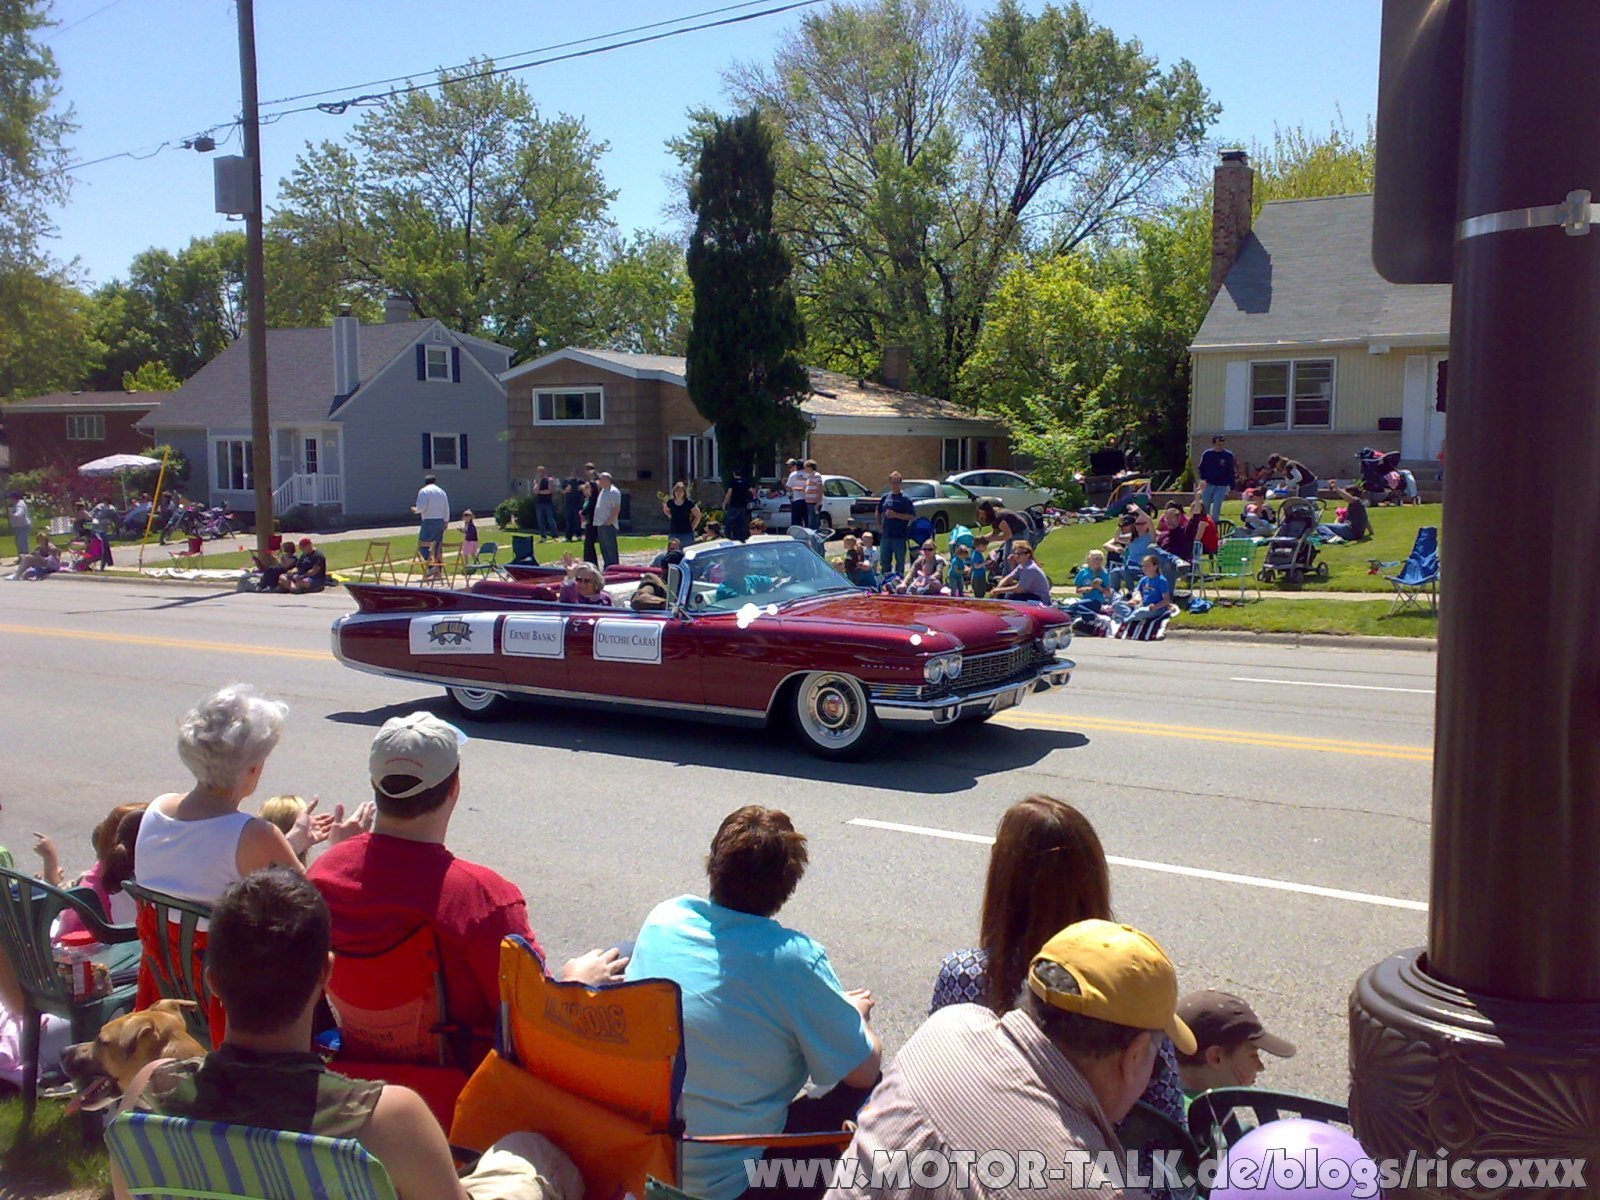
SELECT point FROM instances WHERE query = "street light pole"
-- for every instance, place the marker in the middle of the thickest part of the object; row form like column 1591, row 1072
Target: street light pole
column 255, row 282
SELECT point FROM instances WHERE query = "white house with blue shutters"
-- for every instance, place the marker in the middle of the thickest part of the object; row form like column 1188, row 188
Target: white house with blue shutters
column 359, row 413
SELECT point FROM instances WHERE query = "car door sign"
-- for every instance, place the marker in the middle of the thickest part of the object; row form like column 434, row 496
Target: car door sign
column 534, row 637
column 453, row 633
column 627, row 641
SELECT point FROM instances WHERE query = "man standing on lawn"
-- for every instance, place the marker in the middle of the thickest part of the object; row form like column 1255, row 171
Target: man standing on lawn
column 895, row 514
column 433, row 508
column 607, row 513
column 1217, row 470
column 544, row 505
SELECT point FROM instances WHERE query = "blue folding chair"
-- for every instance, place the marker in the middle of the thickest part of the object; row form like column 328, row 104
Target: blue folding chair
column 1419, row 574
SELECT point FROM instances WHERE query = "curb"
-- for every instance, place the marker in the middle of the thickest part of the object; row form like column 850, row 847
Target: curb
column 1321, row 641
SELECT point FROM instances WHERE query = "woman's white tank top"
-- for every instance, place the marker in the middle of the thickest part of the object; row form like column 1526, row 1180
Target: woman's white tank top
column 193, row 860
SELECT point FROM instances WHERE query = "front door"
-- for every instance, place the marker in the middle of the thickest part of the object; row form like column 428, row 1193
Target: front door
column 1434, row 410
column 308, row 455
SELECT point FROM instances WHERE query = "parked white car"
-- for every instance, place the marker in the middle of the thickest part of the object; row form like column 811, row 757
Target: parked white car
column 1016, row 491
column 839, row 492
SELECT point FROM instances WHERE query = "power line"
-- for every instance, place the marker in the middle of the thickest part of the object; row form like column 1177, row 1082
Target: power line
column 60, row 29
column 338, row 107
column 710, row 12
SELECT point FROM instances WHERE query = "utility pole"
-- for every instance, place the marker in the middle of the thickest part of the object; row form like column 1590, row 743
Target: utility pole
column 255, row 282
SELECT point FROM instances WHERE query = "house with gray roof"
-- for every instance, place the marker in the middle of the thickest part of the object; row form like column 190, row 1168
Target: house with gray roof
column 1306, row 350
column 359, row 413
column 631, row 414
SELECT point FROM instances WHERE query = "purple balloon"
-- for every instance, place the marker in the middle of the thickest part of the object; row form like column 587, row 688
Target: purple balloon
column 1296, row 1159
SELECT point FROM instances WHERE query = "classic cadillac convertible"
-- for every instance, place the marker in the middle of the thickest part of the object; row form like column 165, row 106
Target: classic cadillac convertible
column 754, row 632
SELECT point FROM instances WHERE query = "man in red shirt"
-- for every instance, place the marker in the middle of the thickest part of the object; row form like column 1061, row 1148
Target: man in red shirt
column 381, row 886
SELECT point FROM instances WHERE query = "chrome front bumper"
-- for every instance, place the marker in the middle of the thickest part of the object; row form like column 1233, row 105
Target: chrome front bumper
column 948, row 709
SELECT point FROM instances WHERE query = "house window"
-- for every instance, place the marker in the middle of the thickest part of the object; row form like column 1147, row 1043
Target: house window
column 585, row 407
column 86, row 427
column 233, row 465
column 446, row 450
column 1292, row 395
column 438, row 363
column 957, row 455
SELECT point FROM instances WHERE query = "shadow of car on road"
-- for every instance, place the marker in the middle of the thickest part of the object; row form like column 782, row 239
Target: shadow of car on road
column 935, row 762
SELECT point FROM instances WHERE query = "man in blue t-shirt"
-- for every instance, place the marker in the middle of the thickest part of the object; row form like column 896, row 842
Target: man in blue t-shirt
column 1216, row 471
column 763, row 1010
column 895, row 514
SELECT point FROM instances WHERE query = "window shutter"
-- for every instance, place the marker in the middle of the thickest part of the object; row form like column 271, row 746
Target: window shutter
column 1235, row 397
column 427, row 450
column 422, row 361
column 463, row 463
column 455, row 364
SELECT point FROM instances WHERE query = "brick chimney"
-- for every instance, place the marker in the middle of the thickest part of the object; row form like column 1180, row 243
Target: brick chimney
column 396, row 308
column 1232, row 195
column 346, row 353
column 896, row 366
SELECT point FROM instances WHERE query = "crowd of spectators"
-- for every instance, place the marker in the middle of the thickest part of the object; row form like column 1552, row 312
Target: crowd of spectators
column 1043, row 1035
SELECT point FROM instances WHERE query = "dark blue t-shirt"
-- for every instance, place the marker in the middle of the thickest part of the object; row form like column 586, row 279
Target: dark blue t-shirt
column 895, row 514
column 1217, row 467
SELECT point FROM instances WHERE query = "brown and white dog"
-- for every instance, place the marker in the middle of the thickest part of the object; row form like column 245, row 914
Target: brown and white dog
column 105, row 1067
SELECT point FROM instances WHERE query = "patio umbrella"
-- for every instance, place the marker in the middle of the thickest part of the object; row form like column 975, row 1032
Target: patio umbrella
column 119, row 465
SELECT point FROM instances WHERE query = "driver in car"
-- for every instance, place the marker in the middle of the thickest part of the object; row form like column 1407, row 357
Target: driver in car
column 736, row 582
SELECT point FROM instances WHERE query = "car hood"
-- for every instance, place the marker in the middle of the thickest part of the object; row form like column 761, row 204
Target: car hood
column 978, row 624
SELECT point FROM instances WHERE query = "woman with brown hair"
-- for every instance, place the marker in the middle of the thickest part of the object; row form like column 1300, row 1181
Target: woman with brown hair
column 1047, row 870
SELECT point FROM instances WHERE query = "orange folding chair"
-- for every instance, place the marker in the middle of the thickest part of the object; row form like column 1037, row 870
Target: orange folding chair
column 599, row 1071
column 394, row 1020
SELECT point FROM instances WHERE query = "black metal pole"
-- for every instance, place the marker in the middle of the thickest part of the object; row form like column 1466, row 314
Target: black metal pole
column 255, row 283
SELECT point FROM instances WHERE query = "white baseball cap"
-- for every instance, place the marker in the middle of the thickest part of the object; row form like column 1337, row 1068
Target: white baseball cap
column 418, row 745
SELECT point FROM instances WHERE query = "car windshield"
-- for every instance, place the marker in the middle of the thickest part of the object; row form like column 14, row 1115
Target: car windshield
column 760, row 573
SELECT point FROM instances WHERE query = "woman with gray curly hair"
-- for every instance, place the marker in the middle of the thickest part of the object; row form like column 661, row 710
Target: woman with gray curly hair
column 193, row 845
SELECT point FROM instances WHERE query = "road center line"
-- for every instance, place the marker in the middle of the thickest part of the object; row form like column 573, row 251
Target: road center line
column 1354, row 687
column 1028, row 718
column 89, row 635
column 1140, row 864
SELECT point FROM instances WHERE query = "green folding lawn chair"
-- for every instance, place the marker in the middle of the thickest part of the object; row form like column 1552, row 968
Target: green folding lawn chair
column 28, row 908
column 159, row 1156
column 1235, row 561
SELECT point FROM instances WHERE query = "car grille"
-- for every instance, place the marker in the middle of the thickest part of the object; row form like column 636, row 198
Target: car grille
column 978, row 672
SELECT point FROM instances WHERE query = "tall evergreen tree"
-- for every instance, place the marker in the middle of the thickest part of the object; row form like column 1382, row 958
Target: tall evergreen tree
column 744, row 371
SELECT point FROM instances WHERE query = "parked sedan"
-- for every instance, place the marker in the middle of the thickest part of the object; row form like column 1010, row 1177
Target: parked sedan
column 760, row 632
column 840, row 494
column 945, row 504
column 1016, row 491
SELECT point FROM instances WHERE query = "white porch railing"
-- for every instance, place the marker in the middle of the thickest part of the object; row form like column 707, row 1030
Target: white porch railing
column 307, row 489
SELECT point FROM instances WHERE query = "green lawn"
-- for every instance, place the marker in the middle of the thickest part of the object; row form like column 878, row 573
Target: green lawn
column 1395, row 530
column 50, row 1158
column 1365, row 617
column 346, row 553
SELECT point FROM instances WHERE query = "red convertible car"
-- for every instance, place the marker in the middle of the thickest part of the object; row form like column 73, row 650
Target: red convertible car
column 753, row 633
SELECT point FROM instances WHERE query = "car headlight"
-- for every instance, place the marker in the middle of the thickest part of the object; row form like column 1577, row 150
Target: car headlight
column 941, row 667
column 1056, row 638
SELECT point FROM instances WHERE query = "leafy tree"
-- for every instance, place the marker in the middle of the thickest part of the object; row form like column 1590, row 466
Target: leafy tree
column 744, row 373
column 45, row 341
column 639, row 297
column 33, row 132
column 180, row 310
column 151, row 377
column 921, row 152
column 469, row 203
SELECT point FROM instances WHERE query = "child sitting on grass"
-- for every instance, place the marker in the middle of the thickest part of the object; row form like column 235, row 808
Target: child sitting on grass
column 1155, row 595
column 1093, row 585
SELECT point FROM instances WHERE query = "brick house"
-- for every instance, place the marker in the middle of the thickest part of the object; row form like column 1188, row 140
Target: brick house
column 1306, row 350
column 67, row 429
column 631, row 414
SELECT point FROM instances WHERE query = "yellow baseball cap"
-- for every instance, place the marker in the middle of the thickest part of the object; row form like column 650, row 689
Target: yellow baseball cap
column 1125, row 977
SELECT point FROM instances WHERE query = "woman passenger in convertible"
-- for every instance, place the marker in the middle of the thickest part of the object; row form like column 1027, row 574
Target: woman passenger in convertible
column 584, row 583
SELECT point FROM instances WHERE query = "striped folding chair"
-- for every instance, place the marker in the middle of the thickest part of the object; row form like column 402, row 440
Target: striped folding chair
column 159, row 1156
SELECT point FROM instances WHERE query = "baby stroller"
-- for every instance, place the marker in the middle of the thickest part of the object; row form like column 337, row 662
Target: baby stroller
column 1383, row 479
column 1292, row 552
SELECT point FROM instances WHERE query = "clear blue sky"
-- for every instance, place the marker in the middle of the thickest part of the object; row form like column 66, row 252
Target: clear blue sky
column 141, row 72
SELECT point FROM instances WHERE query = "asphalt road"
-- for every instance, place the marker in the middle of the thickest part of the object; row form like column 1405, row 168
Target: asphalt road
column 1266, row 806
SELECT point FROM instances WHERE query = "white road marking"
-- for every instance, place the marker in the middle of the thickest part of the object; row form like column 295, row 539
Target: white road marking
column 1276, row 885
column 1354, row 687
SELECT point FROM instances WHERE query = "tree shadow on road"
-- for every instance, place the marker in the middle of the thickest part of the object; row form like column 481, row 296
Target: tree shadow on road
column 935, row 762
